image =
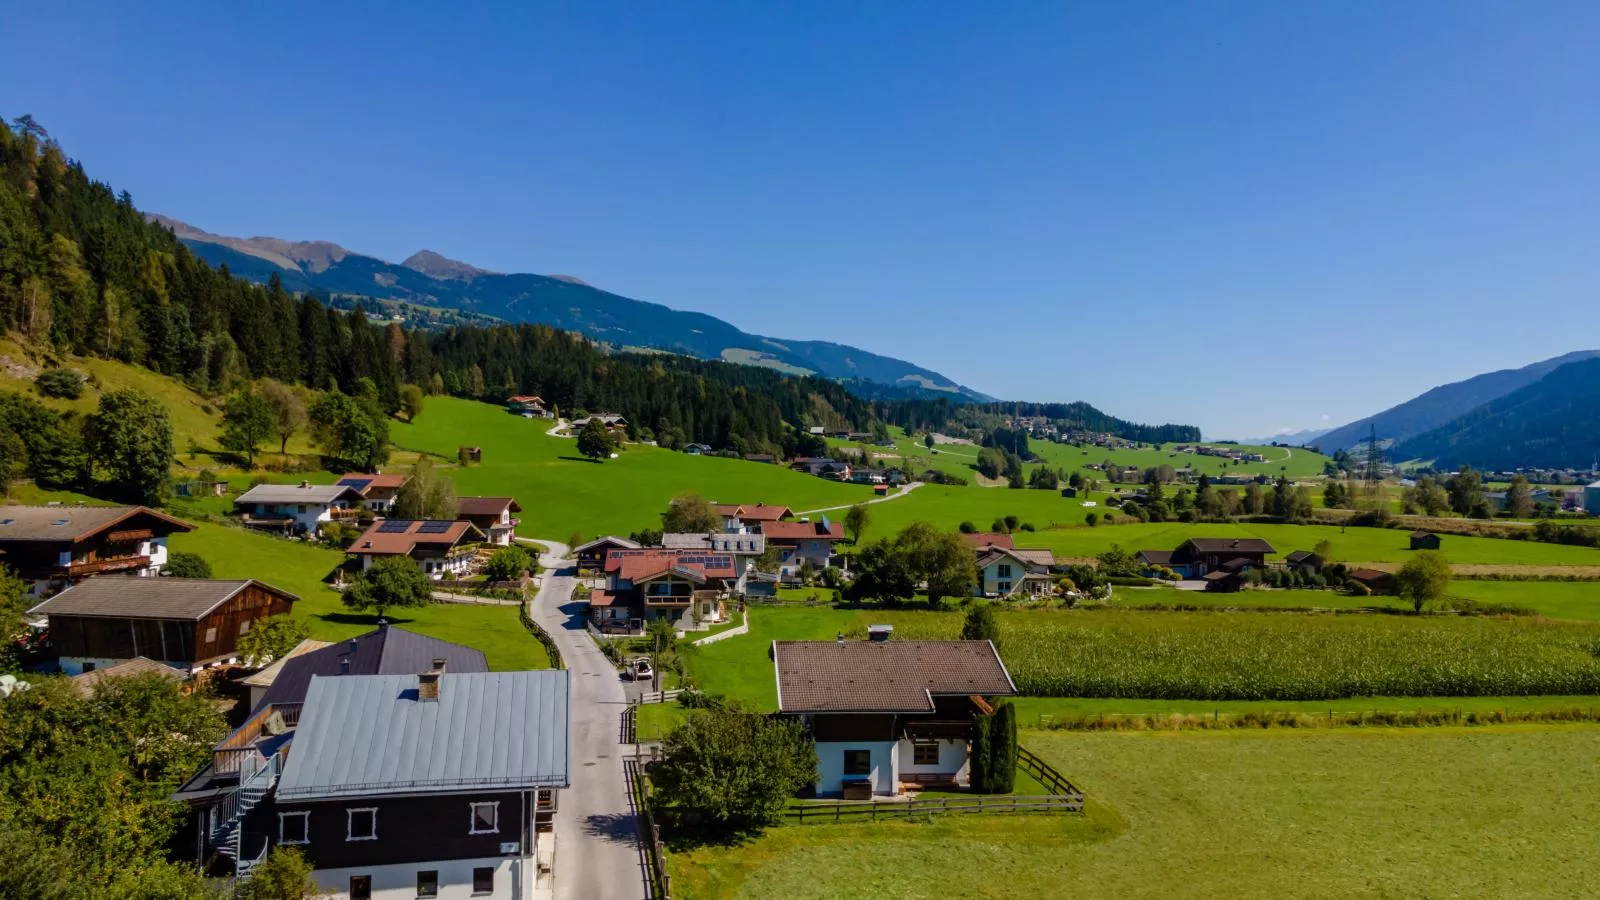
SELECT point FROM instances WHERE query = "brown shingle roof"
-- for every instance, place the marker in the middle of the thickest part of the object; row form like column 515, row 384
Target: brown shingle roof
column 188, row 599
column 387, row 538
column 884, row 676
column 1156, row 557
column 139, row 665
column 74, row 523
column 794, row 531
column 1231, row 545
column 755, row 512
column 485, row 506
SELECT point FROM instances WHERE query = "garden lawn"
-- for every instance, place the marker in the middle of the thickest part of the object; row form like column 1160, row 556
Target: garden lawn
column 300, row 569
column 1557, row 599
column 1423, row 812
column 560, row 492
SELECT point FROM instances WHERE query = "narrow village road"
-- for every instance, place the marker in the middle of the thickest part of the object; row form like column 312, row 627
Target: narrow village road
column 910, row 486
column 598, row 856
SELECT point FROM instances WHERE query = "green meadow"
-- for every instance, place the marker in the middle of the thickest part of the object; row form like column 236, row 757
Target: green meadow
column 561, row 492
column 1428, row 812
column 300, row 569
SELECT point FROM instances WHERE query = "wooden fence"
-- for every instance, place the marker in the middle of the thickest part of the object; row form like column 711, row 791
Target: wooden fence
column 660, row 696
column 630, row 724
column 542, row 636
column 660, row 883
column 1046, row 774
column 875, row 810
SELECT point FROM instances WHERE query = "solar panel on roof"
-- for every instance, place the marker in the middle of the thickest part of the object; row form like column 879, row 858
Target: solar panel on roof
column 434, row 527
column 394, row 526
column 357, row 483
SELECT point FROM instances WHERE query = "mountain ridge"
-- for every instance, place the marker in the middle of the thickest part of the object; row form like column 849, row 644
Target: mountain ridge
column 1439, row 405
column 561, row 301
column 1551, row 422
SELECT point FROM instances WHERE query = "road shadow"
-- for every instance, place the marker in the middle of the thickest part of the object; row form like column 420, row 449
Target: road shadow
column 618, row 828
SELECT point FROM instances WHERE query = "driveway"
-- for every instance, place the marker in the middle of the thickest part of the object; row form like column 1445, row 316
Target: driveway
column 598, row 856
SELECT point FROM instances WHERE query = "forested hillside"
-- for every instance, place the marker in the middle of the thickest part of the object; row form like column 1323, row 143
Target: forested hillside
column 83, row 272
column 916, row 414
column 1553, row 422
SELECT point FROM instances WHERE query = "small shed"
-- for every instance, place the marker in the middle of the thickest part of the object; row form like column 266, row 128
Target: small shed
column 882, row 490
column 469, row 455
column 1069, row 492
column 1424, row 540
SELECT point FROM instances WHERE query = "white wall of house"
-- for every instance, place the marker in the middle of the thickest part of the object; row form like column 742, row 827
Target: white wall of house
column 1591, row 499
column 306, row 516
column 885, row 773
column 793, row 556
column 454, row 566
column 1001, row 577
column 513, row 879
column 77, row 665
column 952, row 758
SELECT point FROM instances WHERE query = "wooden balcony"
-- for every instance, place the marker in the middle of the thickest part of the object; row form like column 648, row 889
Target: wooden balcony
column 229, row 756
column 341, row 513
column 100, row 566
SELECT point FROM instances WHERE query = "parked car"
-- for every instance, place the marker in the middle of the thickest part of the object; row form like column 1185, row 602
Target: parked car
column 640, row 669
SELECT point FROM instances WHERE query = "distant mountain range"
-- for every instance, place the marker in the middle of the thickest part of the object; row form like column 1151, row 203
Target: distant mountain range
column 1554, row 422
column 1445, row 406
column 561, row 301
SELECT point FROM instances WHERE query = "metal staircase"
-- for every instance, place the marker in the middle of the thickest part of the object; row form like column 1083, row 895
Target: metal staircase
column 258, row 775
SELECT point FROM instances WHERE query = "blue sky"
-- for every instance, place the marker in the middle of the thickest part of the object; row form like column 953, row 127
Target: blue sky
column 1249, row 216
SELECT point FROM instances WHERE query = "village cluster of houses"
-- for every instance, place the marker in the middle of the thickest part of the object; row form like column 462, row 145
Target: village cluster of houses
column 692, row 578
column 1221, row 452
column 1222, row 563
column 414, row 770
column 444, row 549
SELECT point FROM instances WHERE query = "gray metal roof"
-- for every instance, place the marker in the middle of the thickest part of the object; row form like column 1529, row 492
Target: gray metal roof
column 370, row 735
column 384, row 651
column 718, row 542
column 132, row 597
column 293, row 493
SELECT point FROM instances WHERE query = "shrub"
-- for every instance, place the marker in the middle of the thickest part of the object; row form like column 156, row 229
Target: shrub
column 1002, row 749
column 1129, row 581
column 62, row 383
column 508, row 564
column 981, row 754
column 727, row 771
column 186, row 565
column 981, row 624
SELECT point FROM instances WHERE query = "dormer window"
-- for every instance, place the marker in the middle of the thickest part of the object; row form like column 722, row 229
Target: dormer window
column 485, row 818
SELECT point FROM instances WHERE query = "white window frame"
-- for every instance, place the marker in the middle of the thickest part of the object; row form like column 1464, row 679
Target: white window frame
column 349, row 819
column 305, row 828
column 472, row 817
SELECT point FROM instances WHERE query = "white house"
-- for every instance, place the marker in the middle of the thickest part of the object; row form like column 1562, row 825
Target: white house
column 297, row 509
column 1007, row 571
column 887, row 715
column 803, row 542
column 441, row 548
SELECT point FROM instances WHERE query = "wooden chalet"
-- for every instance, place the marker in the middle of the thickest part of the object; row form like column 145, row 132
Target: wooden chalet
column 491, row 515
column 746, row 518
column 378, row 491
column 1375, row 580
column 888, row 715
column 647, row 584
column 53, row 546
column 1197, row 557
column 186, row 623
column 440, row 547
column 591, row 556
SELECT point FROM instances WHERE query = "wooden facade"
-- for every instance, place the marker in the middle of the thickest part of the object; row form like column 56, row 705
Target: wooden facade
column 214, row 636
column 409, row 829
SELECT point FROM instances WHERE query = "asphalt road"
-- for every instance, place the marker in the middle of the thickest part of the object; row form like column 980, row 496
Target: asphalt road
column 598, row 856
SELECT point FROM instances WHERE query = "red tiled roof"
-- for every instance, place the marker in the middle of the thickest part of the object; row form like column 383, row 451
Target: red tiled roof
column 884, row 676
column 377, row 542
column 989, row 539
column 795, row 531
column 756, row 512
column 601, row 598
column 642, row 565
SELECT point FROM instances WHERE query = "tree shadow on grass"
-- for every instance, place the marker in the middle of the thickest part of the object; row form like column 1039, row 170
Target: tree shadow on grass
column 368, row 619
column 583, row 459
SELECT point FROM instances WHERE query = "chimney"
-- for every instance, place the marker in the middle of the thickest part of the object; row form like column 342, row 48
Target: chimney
column 428, row 686
column 352, row 645
column 344, row 666
column 841, row 639
column 438, row 664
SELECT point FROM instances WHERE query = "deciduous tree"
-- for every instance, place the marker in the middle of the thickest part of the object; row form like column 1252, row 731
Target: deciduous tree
column 130, row 439
column 594, row 441
column 730, row 772
column 393, row 581
column 1424, row 579
column 690, row 514
column 427, row 494
column 856, row 519
column 247, row 423
column 288, row 410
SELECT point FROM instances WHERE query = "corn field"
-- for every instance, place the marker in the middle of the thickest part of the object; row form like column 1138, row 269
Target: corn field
column 1258, row 656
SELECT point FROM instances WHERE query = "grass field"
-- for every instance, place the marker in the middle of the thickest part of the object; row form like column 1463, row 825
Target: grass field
column 1058, row 526
column 1295, row 463
column 299, row 569
column 561, row 492
column 1432, row 812
column 1578, row 600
